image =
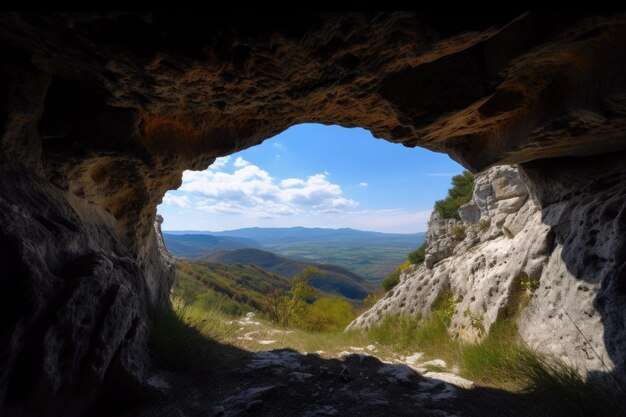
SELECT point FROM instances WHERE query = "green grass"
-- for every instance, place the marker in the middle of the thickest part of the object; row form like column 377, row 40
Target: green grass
column 184, row 339
column 370, row 262
column 407, row 335
column 189, row 338
column 391, row 280
column 435, row 368
column 496, row 360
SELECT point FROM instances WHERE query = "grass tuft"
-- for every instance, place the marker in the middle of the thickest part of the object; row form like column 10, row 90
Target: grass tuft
column 184, row 338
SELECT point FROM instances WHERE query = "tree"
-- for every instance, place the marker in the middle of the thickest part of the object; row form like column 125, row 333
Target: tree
column 299, row 295
column 459, row 194
column 287, row 309
column 276, row 305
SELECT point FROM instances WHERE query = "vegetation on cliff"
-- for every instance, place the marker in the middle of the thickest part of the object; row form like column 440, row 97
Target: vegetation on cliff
column 460, row 193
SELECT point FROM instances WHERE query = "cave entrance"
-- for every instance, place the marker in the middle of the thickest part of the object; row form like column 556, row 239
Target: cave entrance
column 312, row 176
column 285, row 243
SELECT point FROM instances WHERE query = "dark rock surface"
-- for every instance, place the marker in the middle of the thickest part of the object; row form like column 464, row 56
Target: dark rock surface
column 101, row 112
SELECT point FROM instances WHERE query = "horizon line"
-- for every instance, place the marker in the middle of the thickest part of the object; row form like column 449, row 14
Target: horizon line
column 291, row 227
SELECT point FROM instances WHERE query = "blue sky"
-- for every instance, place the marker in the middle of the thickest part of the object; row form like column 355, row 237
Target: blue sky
column 314, row 176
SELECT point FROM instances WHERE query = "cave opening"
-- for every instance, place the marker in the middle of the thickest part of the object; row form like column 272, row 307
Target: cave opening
column 314, row 195
column 97, row 125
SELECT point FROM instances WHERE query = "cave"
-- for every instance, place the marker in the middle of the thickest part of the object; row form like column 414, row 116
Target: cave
column 102, row 112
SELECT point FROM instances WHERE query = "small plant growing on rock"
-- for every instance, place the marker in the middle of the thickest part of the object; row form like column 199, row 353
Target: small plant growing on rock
column 476, row 320
column 448, row 309
column 483, row 225
column 391, row 280
column 530, row 284
column 458, row 232
column 404, row 266
column 418, row 255
column 371, row 299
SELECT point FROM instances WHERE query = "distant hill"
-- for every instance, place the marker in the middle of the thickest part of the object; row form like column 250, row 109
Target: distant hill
column 192, row 245
column 371, row 255
column 233, row 288
column 266, row 235
column 332, row 279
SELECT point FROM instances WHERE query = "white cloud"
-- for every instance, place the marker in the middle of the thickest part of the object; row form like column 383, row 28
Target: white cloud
column 220, row 163
column 240, row 162
column 278, row 145
column 253, row 192
column 181, row 201
column 441, row 174
column 291, row 182
column 363, row 184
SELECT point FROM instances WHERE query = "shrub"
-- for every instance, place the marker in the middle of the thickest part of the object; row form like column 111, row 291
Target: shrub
column 458, row 232
column 476, row 320
column 460, row 193
column 371, row 299
column 483, row 225
column 328, row 314
column 391, row 280
column 404, row 266
column 290, row 309
column 417, row 256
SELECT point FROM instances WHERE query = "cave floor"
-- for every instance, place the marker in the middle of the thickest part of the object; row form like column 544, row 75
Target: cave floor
column 262, row 378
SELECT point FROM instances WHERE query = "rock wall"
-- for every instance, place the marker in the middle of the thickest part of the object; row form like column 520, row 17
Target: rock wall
column 505, row 247
column 100, row 113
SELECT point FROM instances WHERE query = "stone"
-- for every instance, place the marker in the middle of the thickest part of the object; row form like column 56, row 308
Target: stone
column 435, row 362
column 397, row 373
column 562, row 245
column 301, row 376
column 281, row 359
column 322, row 410
column 373, row 397
column 244, row 401
column 450, row 379
column 412, row 359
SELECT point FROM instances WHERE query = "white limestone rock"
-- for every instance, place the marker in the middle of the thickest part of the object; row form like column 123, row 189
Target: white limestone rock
column 509, row 241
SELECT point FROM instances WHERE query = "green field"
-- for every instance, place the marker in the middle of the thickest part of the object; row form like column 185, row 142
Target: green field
column 370, row 262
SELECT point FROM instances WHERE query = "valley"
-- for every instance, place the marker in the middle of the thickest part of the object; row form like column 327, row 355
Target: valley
column 371, row 255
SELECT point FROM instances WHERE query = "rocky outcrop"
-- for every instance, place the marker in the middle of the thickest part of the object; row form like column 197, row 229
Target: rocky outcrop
column 507, row 248
column 74, row 301
column 101, row 112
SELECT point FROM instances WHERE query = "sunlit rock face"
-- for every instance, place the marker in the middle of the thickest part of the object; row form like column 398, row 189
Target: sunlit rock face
column 101, row 112
column 552, row 261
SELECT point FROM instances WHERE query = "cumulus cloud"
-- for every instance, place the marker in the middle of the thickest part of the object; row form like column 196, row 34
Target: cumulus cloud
column 240, row 162
column 181, row 201
column 220, row 163
column 252, row 191
column 363, row 184
column 278, row 145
